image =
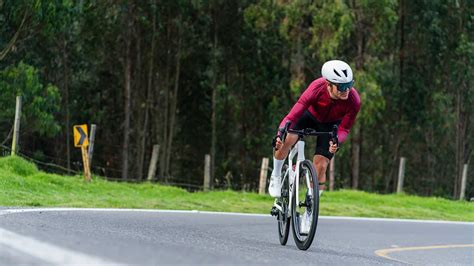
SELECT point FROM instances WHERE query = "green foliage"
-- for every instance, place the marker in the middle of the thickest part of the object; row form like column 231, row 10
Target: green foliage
column 383, row 18
column 370, row 92
column 332, row 26
column 40, row 102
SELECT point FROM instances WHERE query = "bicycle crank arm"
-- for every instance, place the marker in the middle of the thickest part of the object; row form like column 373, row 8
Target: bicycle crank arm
column 307, row 201
column 303, row 204
column 276, row 208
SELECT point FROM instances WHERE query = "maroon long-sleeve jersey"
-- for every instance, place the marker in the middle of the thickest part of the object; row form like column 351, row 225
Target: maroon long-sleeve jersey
column 318, row 102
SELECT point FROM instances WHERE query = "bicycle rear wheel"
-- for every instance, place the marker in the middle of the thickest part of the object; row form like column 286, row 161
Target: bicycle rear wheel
column 309, row 206
column 283, row 201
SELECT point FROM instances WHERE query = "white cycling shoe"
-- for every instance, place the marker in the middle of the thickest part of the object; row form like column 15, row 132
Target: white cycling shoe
column 274, row 189
column 305, row 224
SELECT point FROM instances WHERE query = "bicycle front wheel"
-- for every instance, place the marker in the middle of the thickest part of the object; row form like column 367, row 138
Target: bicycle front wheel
column 306, row 212
column 283, row 216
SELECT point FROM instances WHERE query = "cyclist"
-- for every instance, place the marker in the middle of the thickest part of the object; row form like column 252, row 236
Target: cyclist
column 327, row 101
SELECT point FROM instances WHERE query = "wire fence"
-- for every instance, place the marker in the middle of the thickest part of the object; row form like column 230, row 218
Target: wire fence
column 76, row 169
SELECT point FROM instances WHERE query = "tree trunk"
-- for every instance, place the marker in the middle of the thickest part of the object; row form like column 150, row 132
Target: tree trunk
column 166, row 105
column 127, row 93
column 462, row 139
column 136, row 103
column 297, row 66
column 214, row 99
column 148, row 98
column 431, row 142
column 174, row 101
column 356, row 138
column 355, row 147
column 13, row 40
column 398, row 139
column 66, row 102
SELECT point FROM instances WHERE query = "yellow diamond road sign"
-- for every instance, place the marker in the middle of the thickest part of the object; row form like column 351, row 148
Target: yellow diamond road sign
column 80, row 136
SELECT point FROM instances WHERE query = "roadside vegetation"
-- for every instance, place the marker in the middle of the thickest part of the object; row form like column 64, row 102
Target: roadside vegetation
column 22, row 184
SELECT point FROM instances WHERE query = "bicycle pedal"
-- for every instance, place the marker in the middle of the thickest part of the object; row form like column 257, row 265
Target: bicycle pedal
column 302, row 204
column 274, row 211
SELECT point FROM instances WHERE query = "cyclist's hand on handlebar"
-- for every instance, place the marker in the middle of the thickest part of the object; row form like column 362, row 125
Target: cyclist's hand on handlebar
column 278, row 143
column 332, row 147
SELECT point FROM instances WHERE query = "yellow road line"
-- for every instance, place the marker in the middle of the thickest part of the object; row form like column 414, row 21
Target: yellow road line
column 383, row 252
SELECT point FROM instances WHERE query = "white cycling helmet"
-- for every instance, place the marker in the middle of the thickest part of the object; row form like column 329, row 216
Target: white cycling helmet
column 337, row 72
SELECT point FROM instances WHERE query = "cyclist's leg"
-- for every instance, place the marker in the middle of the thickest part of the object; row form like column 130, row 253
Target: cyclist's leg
column 322, row 156
column 321, row 164
column 274, row 188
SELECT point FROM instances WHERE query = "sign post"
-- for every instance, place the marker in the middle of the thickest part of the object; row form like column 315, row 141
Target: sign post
column 82, row 141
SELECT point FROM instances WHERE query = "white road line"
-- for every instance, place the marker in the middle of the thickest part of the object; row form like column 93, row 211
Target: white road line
column 46, row 252
column 10, row 211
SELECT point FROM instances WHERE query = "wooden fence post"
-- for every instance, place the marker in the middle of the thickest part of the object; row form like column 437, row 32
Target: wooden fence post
column 228, row 178
column 207, row 172
column 401, row 175
column 153, row 161
column 331, row 173
column 263, row 176
column 16, row 131
column 91, row 143
column 463, row 182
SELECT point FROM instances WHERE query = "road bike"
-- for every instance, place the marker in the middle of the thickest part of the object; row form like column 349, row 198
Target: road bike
column 299, row 180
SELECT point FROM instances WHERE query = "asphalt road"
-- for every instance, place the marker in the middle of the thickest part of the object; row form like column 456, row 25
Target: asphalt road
column 66, row 236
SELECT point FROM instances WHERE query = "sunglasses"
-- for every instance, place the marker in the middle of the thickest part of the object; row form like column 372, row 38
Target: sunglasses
column 343, row 87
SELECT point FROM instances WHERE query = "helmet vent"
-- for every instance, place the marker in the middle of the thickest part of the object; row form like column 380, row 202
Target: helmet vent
column 345, row 72
column 337, row 73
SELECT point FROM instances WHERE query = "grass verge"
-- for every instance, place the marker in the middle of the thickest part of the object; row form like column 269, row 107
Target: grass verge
column 22, row 184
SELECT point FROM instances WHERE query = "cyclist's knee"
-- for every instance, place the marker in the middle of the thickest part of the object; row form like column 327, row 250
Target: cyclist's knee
column 320, row 161
column 320, row 164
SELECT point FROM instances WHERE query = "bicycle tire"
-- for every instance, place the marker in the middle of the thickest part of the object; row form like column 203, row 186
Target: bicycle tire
column 283, row 218
column 304, row 241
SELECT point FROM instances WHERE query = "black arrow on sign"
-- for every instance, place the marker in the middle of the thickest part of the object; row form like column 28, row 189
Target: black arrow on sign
column 83, row 136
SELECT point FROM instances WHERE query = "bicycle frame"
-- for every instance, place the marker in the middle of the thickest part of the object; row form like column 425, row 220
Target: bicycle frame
column 283, row 205
column 298, row 149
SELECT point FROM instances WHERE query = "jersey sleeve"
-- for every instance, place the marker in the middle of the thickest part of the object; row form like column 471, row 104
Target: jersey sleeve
column 349, row 119
column 305, row 100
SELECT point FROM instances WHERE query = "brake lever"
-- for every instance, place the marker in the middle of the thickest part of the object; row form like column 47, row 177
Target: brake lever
column 284, row 130
column 335, row 139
